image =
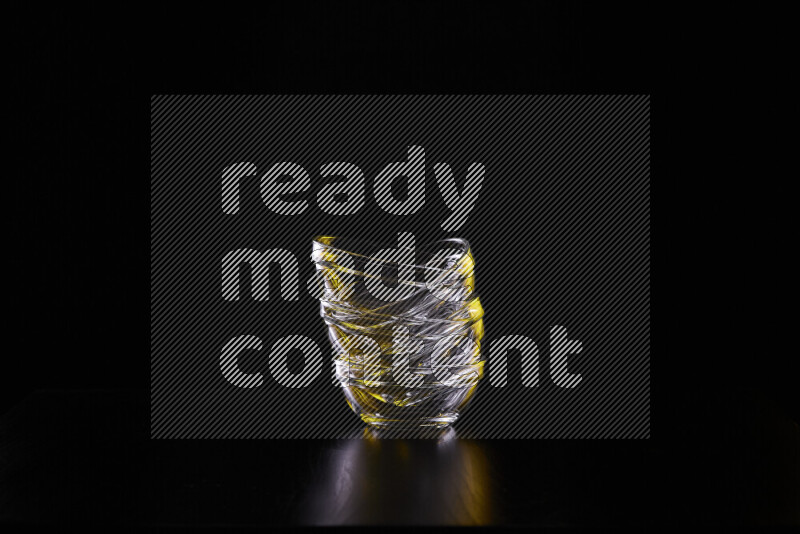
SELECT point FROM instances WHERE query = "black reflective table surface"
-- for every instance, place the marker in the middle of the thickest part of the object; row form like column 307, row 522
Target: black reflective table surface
column 85, row 458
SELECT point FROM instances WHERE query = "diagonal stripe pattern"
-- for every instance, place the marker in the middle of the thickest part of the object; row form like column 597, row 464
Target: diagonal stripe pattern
column 559, row 228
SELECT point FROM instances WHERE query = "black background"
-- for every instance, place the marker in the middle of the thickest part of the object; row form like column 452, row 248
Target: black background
column 77, row 306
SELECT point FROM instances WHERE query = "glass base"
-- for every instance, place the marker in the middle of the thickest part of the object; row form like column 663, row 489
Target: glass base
column 439, row 421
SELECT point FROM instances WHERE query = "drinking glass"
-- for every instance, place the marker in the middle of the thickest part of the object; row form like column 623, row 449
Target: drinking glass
column 406, row 336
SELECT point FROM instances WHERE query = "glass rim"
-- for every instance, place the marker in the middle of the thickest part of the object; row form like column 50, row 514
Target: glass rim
column 462, row 249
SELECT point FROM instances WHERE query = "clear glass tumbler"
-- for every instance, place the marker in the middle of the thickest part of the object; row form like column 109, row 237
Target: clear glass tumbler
column 406, row 336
